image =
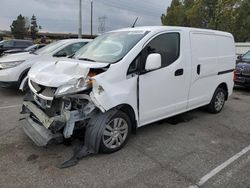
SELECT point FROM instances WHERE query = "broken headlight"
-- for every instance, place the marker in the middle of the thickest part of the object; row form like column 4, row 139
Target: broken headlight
column 72, row 87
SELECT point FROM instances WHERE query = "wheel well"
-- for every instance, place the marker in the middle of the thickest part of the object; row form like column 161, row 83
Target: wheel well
column 225, row 88
column 23, row 75
column 130, row 112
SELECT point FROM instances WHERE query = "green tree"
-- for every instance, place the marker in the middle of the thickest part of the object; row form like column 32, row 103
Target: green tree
column 18, row 29
column 243, row 22
column 33, row 27
column 194, row 15
column 227, row 15
column 175, row 14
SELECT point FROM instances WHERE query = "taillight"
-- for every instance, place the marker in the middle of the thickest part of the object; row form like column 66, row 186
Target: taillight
column 234, row 74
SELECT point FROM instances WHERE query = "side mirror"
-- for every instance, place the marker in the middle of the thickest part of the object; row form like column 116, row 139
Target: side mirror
column 239, row 57
column 153, row 62
column 61, row 54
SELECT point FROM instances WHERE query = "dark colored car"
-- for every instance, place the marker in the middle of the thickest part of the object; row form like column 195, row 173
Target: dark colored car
column 28, row 49
column 242, row 71
column 14, row 44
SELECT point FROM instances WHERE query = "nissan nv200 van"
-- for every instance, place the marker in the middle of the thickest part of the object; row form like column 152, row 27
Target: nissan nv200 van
column 125, row 79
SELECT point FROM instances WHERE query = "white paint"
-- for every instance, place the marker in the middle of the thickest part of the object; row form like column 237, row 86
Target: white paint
column 7, row 107
column 219, row 168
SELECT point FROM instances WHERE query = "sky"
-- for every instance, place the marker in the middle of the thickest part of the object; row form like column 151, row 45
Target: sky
column 62, row 15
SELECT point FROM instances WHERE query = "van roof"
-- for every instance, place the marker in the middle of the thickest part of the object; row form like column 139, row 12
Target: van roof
column 174, row 28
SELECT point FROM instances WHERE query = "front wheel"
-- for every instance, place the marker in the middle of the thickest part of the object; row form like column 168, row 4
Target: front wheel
column 218, row 101
column 116, row 133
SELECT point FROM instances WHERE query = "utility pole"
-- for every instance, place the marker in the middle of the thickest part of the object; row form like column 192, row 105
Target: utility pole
column 80, row 20
column 101, row 28
column 91, row 21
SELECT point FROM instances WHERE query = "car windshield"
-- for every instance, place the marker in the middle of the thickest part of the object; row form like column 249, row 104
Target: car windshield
column 110, row 47
column 50, row 48
column 246, row 57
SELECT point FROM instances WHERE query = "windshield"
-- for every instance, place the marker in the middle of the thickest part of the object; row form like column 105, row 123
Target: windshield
column 110, row 47
column 246, row 57
column 50, row 48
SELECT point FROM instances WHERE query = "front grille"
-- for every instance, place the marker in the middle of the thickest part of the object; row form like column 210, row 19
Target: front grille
column 246, row 71
column 43, row 95
column 43, row 90
column 42, row 102
column 238, row 71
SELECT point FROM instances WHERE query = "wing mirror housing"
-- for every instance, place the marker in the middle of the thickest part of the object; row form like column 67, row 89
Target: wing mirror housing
column 239, row 57
column 153, row 62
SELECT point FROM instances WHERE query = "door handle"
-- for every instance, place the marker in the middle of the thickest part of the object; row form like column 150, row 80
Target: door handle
column 198, row 69
column 179, row 72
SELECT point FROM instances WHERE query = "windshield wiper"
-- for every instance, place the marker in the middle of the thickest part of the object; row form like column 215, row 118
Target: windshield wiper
column 87, row 59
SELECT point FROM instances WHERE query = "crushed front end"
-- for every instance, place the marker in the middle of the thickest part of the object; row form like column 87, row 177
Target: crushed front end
column 53, row 114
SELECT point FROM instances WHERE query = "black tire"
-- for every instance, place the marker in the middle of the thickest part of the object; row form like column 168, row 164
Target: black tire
column 124, row 118
column 217, row 102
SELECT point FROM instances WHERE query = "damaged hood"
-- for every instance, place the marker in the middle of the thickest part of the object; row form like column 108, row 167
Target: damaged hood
column 55, row 72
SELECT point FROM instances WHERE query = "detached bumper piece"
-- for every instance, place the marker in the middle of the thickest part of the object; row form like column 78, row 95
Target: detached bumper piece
column 39, row 134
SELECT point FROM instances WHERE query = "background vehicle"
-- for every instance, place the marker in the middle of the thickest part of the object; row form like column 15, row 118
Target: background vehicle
column 28, row 49
column 14, row 67
column 242, row 71
column 126, row 79
column 13, row 44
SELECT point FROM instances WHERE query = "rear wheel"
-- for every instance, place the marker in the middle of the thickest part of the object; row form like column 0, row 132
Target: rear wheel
column 218, row 101
column 116, row 133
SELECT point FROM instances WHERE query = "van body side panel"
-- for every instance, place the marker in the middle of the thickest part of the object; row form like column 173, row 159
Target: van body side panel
column 226, row 61
column 215, row 54
column 204, row 68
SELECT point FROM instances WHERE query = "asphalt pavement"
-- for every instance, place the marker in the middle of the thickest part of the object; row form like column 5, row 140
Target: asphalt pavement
column 194, row 149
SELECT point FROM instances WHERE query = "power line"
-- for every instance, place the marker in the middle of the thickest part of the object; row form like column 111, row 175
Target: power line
column 129, row 7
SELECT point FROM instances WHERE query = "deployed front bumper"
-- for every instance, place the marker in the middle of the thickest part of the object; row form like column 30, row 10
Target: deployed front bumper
column 44, row 130
column 39, row 134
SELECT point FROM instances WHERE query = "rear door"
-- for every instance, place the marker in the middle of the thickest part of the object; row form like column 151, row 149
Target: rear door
column 164, row 91
column 204, row 68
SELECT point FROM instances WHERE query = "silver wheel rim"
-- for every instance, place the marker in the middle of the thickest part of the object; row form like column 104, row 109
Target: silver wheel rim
column 219, row 101
column 115, row 133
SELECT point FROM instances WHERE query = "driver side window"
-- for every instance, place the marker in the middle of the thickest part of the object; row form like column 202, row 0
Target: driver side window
column 167, row 45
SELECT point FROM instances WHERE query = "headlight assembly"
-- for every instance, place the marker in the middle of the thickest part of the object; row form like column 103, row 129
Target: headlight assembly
column 10, row 64
column 73, row 86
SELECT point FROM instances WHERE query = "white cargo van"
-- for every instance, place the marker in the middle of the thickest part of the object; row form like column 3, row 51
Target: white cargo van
column 126, row 79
